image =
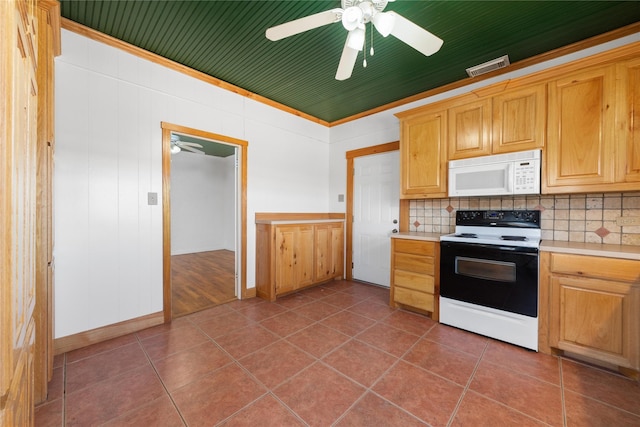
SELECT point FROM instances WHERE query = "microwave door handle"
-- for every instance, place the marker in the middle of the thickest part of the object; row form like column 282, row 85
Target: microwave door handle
column 509, row 177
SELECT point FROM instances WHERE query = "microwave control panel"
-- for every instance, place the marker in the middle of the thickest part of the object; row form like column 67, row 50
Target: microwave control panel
column 526, row 177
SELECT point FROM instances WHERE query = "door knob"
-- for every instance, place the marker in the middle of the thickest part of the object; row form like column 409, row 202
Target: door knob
column 395, row 221
column 395, row 230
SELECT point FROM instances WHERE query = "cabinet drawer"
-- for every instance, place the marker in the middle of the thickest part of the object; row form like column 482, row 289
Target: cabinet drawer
column 419, row 282
column 415, row 263
column 417, row 247
column 415, row 299
column 603, row 268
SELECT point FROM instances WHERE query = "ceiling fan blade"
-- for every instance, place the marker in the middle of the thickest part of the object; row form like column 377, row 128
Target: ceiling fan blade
column 415, row 36
column 301, row 25
column 193, row 150
column 347, row 62
column 189, row 144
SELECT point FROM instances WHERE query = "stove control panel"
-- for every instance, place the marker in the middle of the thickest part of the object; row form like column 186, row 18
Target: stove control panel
column 492, row 218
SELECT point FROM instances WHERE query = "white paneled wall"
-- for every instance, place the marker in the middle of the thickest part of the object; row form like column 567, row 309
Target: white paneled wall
column 109, row 106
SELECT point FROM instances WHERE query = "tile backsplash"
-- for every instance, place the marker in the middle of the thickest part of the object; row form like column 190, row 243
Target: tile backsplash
column 575, row 218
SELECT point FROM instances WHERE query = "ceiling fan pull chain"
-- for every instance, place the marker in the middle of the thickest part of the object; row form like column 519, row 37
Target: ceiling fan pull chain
column 364, row 48
column 371, row 51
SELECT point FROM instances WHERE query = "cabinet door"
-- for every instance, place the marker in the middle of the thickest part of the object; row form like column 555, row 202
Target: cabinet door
column 18, row 209
column 595, row 318
column 470, row 129
column 628, row 165
column 519, row 119
column 581, row 118
column 329, row 244
column 294, row 257
column 423, row 165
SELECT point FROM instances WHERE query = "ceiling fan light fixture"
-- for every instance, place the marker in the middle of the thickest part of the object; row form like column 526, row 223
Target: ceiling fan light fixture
column 384, row 23
column 355, row 39
column 351, row 18
column 175, row 149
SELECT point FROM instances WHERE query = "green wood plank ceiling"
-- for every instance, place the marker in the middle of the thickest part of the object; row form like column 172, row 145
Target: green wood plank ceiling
column 226, row 40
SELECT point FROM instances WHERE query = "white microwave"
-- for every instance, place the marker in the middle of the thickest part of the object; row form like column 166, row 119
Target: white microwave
column 496, row 175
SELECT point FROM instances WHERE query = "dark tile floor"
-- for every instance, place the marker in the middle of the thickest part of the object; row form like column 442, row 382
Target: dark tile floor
column 334, row 355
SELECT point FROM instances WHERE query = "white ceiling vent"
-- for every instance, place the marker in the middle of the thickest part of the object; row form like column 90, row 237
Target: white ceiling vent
column 488, row 66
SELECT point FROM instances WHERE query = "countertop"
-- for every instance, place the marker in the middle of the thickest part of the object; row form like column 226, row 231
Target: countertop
column 576, row 248
column 296, row 221
column 417, row 235
column 594, row 249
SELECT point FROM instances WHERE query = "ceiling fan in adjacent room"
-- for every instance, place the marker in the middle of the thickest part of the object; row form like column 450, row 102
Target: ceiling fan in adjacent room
column 177, row 145
column 355, row 14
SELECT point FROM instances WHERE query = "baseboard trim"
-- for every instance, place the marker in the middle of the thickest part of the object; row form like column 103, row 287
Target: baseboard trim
column 94, row 336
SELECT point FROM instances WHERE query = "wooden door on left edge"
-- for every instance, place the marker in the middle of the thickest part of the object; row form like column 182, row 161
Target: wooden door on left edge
column 18, row 110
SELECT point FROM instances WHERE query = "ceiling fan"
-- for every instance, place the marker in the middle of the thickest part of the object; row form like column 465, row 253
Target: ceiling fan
column 355, row 14
column 177, row 145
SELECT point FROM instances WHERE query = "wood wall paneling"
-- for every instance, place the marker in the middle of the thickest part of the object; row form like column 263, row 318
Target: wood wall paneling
column 18, row 208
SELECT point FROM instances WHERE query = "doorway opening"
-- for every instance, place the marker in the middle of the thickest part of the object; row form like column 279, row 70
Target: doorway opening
column 204, row 219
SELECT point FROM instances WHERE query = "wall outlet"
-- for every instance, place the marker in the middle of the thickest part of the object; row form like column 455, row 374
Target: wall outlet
column 152, row 198
column 627, row 220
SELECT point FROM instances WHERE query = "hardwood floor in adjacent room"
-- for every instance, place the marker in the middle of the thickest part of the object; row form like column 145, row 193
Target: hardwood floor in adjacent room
column 202, row 280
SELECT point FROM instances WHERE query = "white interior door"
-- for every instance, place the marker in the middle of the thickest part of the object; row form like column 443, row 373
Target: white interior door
column 376, row 199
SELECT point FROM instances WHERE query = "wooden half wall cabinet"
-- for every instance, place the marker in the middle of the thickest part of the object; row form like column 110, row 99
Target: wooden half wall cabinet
column 296, row 251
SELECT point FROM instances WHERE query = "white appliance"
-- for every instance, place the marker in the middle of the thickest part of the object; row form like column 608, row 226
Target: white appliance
column 496, row 175
column 489, row 275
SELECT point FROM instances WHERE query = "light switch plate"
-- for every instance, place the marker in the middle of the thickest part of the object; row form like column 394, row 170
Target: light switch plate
column 152, row 198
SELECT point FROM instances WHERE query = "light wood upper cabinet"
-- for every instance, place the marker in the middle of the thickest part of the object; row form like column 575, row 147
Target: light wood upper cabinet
column 584, row 114
column 581, row 131
column 470, row 129
column 505, row 122
column 462, row 128
column 628, row 101
column 423, row 156
column 519, row 119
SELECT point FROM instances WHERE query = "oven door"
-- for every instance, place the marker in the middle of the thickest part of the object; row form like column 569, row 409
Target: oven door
column 501, row 277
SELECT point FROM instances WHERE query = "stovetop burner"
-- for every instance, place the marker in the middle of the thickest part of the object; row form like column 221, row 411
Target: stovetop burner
column 467, row 235
column 516, row 238
column 518, row 228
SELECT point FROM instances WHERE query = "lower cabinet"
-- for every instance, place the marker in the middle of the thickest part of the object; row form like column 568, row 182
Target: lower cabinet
column 329, row 247
column 293, row 256
column 414, row 275
column 593, row 307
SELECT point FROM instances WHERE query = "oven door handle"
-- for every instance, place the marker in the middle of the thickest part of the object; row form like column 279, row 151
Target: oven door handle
column 521, row 250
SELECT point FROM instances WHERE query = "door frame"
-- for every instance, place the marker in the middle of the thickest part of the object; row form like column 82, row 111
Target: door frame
column 351, row 155
column 167, row 129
